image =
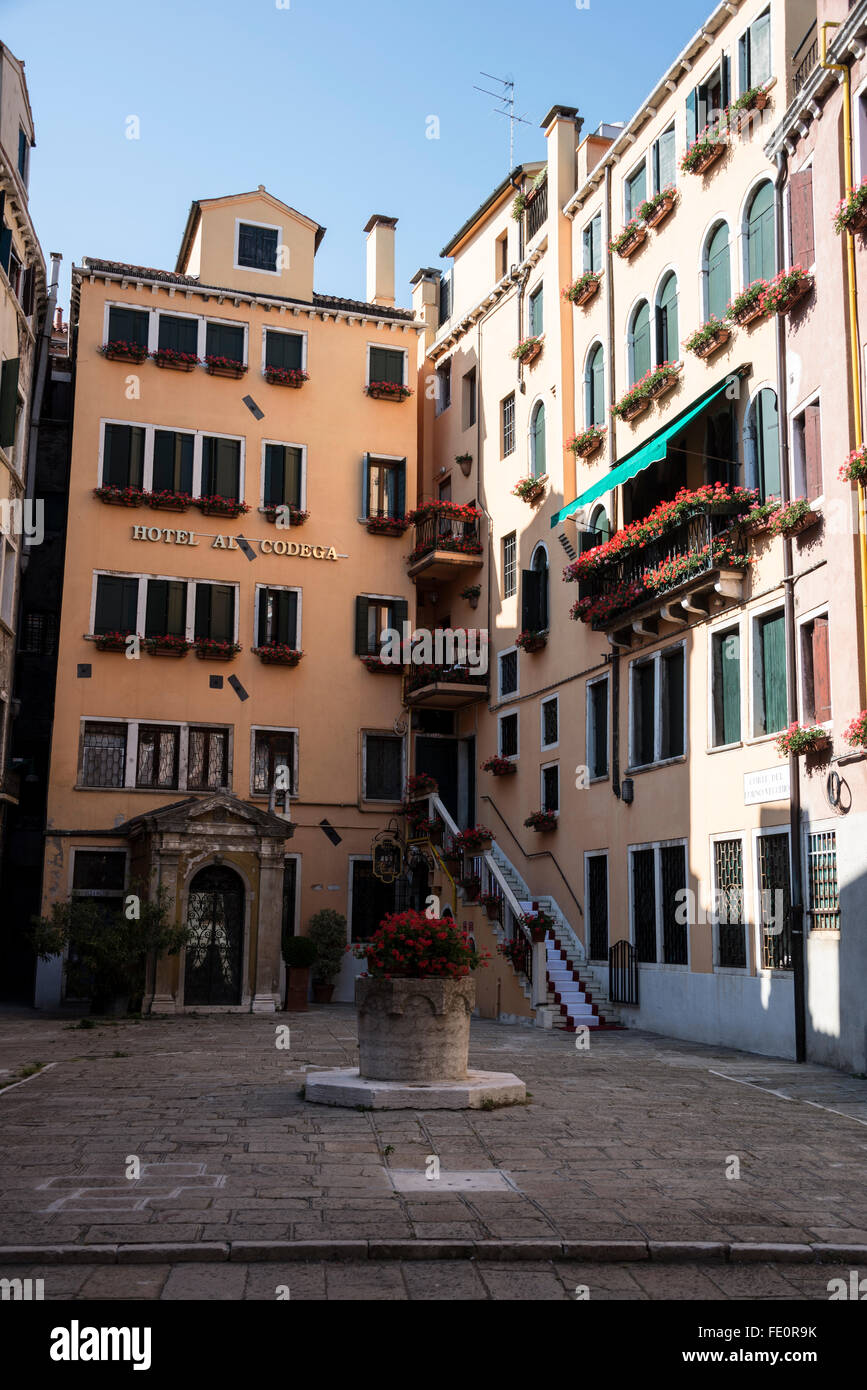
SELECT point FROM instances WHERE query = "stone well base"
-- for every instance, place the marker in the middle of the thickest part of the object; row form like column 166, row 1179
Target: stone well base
column 347, row 1087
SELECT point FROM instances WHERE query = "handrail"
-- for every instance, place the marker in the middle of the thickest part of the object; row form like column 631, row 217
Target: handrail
column 536, row 854
column 437, row 806
column 454, row 887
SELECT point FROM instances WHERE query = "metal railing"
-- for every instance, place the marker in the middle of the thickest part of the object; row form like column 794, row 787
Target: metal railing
column 809, row 60
column 441, row 531
column 537, row 211
column 622, row 973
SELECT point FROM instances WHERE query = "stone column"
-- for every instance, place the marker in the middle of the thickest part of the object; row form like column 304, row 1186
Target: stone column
column 164, row 999
column 269, row 921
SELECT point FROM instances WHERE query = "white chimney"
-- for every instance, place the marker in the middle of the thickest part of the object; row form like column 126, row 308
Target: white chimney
column 380, row 260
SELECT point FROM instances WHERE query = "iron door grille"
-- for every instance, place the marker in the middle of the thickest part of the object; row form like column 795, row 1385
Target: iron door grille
column 776, row 902
column 597, row 904
column 824, row 909
column 215, row 918
column 674, row 928
column 729, row 882
column 644, row 904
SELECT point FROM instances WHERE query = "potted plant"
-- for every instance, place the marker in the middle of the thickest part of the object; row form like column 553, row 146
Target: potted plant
column 387, row 525
column 632, row 403
column 327, row 931
column 299, row 954
column 477, row 839
column 582, row 290
column 757, row 521
column 856, row 732
column 519, row 205
column 656, row 208
column 286, row 376
column 747, row 306
column 538, row 924
column 530, row 489
column 854, row 470
column 491, row 903
column 704, row 151
column 118, row 350
column 472, row 886
column 377, row 666
column 798, row 740
column 224, row 366
column 465, row 463
column 176, row 361
column 707, row 339
column 212, row 649
column 628, row 240
column 216, row 505
column 388, row 391
column 421, row 784
column 415, row 1001
column 784, row 291
column 659, row 380
column 527, row 350
column 278, row 654
column 531, row 641
column 541, row 820
column 112, row 641
column 167, row 644
column 285, row 513
column 120, row 496
column 167, row 500
column 850, row 214
column 499, row 767
column 471, row 594
column 587, row 442
column 106, row 952
column 797, row 516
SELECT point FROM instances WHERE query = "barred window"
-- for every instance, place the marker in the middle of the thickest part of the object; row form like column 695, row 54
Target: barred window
column 729, row 904
column 509, row 736
column 510, row 565
column 157, row 762
column 508, row 673
column 551, row 788
column 550, row 730
column 509, row 425
column 273, row 749
column 208, row 759
column 39, row 634
column 824, row 899
column 383, row 767
column 776, row 901
column 103, row 755
column 97, row 872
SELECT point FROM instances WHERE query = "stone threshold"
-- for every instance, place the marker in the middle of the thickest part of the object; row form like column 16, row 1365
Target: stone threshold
column 587, row 1251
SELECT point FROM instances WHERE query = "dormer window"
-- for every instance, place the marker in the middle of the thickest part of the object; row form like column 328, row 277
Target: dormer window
column 257, row 247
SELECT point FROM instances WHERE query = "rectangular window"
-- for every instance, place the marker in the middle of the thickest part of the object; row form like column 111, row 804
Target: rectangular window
column 385, row 487
column 178, row 334
column 371, row 900
column 775, row 919
column 166, row 608
column 596, row 894
column 123, row 456
column 274, row 749
column 207, row 759
column 507, row 433
column 657, row 884
column 501, row 256
column 672, row 862
column 257, row 247
column 23, row 153
column 283, row 466
column 98, row 877
column 635, row 189
column 550, row 722
column 671, row 695
column 128, row 325
column 103, row 755
column 157, row 761
column 39, row 634
column 9, row 558
column 592, row 243
column 726, row 683
column 386, row 364
column 469, row 404
column 769, row 690
column 729, row 903
column 285, row 350
column 221, row 468
column 807, row 432
column 536, row 310
column 508, row 673
column 9, row 402
column 225, row 340
column 551, row 788
column 173, row 461
column 277, row 618
column 383, row 767
column 597, row 728
column 706, row 102
column 643, row 713
column 507, row 727
column 658, row 728
column 444, row 387
column 823, row 891
column 116, row 604
column 510, row 565
column 816, row 670
column 215, row 612
column 643, row 891
column 663, row 159
column 373, row 617
column 754, row 54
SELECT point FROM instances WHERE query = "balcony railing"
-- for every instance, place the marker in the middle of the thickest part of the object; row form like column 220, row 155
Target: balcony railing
column 445, row 687
column 447, row 537
column 537, row 211
column 807, row 56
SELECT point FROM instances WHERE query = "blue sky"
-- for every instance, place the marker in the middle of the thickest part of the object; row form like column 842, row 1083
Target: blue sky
column 326, row 102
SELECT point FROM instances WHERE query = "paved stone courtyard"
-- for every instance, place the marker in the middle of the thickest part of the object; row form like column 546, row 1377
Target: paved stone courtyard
column 631, row 1140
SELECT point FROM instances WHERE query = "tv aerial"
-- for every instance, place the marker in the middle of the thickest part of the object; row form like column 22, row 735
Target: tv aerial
column 506, row 108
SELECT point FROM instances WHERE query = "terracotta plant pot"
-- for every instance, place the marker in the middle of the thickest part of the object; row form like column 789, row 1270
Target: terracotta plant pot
column 750, row 314
column 805, row 524
column 713, row 154
column 589, row 449
column 663, row 387
column 661, row 212
column 322, row 992
column 586, row 294
column 297, row 989
column 414, row 1030
column 234, row 372
column 175, row 366
column 632, row 412
column 713, row 344
column 631, row 246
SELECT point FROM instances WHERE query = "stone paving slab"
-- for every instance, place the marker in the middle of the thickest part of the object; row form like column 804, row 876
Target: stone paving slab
column 639, row 1138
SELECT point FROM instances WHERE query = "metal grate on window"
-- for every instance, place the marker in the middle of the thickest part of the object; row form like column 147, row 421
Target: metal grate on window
column 550, row 732
column 776, row 902
column 644, row 904
column 729, row 881
column 207, row 759
column 674, row 929
column 509, row 425
column 597, row 905
column 510, row 565
column 509, row 736
column 273, row 751
column 551, row 789
column 508, row 673
column 103, row 755
column 157, row 763
column 824, row 909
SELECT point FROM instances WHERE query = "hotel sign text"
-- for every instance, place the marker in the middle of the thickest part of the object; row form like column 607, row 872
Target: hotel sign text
column 171, row 535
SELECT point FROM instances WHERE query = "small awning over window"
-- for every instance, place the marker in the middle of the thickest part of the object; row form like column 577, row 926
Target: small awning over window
column 653, row 451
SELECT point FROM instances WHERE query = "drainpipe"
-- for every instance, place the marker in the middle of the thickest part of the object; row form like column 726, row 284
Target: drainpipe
column 797, row 909
column 854, row 366
column 610, row 378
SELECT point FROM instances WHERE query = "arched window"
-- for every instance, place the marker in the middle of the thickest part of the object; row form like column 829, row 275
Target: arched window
column 534, row 593
column 537, row 441
column 594, row 387
column 760, row 235
column 599, row 522
column 762, row 445
column 666, row 320
column 719, row 278
column 639, row 343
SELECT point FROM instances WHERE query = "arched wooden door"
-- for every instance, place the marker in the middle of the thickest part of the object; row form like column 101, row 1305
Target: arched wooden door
column 215, row 917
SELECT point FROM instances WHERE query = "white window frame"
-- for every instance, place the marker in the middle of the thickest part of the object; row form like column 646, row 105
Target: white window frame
column 283, row 588
column 132, row 735
column 759, row 831
column 198, row 437
column 859, row 126
column 154, row 327
column 797, row 460
column 388, row 347
column 590, row 728
column 508, row 714
column 755, row 614
column 513, row 694
column 381, row 733
column 294, row 772
column 823, row 610
column 598, row 854
column 154, row 312
column 735, row 53
column 657, row 846
column 255, row 269
column 282, row 444
column 549, row 700
column 286, row 333
column 514, row 536
column 9, row 554
column 719, row 838
column 671, row 126
column 819, row 828
column 723, row 629
column 141, row 604
column 546, row 767
column 656, row 659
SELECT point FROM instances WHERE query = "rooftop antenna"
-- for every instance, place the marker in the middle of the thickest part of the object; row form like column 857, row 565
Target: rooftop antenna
column 507, row 97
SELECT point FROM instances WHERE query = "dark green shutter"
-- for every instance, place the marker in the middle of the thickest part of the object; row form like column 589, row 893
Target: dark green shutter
column 274, row 475
column 691, row 117
column 743, row 62
column 718, row 272
column 760, row 234
column 156, row 608
column 293, row 636
column 725, row 80
column 283, row 350
column 179, row 334
column 262, row 619
column 587, row 239
column 398, row 615
column 225, row 340
column 128, row 325
column 365, row 482
column 222, row 612
column 640, row 343
column 8, row 401
column 362, row 646
column 116, row 604
column 773, row 644
column 672, row 704
column 292, row 474
column 599, row 714
column 173, row 461
column 768, row 445
column 203, row 610
column 727, row 688
column 386, row 364
column 531, row 600
column 400, row 502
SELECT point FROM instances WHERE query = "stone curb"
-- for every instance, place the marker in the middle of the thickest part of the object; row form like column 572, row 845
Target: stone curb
column 589, row 1251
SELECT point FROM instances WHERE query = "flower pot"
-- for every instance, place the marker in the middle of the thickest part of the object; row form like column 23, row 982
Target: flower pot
column 322, row 991
column 750, row 314
column 713, row 154
column 295, row 382
column 168, row 506
column 761, row 100
column 118, row 355
column 154, row 650
column 858, row 221
column 492, row 911
column 586, row 294
column 387, row 668
column 757, row 528
column 230, row 512
column 805, row 524
column 587, row 450
column 215, row 655
column 660, row 213
column 795, row 297
column 663, row 387
column 526, row 358
column 175, row 366
column 297, row 989
column 379, row 395
column 234, row 372
column 637, row 408
column 713, row 344
column 631, row 246
column 122, row 501
column 414, row 1030
column 534, row 644
column 109, row 644
column 384, row 529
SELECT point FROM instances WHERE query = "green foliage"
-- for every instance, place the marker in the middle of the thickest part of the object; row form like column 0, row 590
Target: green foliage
column 327, row 930
column 299, row 952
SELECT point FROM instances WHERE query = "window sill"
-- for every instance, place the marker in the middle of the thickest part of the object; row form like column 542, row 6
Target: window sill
column 741, row 970
column 153, row 791
column 652, row 767
column 724, row 748
column 663, row 965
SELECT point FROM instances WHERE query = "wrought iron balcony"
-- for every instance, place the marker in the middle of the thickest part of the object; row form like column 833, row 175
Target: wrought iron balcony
column 447, row 541
column 445, row 687
column 806, row 56
column 537, row 211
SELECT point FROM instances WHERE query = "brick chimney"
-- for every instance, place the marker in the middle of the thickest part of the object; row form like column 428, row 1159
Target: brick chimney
column 380, row 260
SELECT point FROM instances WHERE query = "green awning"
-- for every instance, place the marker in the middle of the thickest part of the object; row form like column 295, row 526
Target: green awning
column 653, row 451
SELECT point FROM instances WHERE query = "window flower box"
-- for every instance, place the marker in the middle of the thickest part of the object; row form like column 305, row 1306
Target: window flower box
column 388, row 391
column 703, row 152
column 755, row 99
column 661, row 379
column 532, row 641
column 527, row 351
column 286, row 376
column 747, row 306
column 627, row 242
column 120, row 496
column 294, row 515
column 491, row 903
column 785, row 290
column 224, row 366
column 798, row 740
column 472, row 886
column 854, row 470
column 169, row 501
column 121, row 351
column 543, row 821
column 582, row 290
column 386, row 525
column 587, row 442
column 791, row 520
column 530, row 489
column 209, row 649
column 708, row 339
column 112, row 641
column 499, row 767
column 278, row 654
column 856, row 732
column 220, row 506
column 851, row 212
column 377, row 666
column 176, row 361
column 465, row 463
column 421, row 784
column 167, row 645
column 633, row 408
column 655, row 210
column 477, row 839
column 759, row 519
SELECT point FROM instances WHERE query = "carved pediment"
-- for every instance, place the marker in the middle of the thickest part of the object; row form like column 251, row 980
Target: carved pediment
column 196, row 814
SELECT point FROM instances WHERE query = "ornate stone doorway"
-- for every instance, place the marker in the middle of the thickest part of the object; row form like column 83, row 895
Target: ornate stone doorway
column 214, row 953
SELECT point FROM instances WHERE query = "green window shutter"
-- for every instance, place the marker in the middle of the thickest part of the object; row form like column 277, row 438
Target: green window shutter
column 292, row 474
column 181, row 335
column 768, row 444
column 691, row 117
column 116, row 604
column 5, row 247
column 283, row 350
column 727, row 688
column 640, row 343
column 386, row 365
column 773, row 649
column 531, row 601
column 362, row 644
column 596, row 405
column 760, row 50
column 718, row 273
column 587, row 239
column 365, row 487
column 400, row 500
column 225, row 340
column 536, row 313
column 274, row 475
column 128, row 325
column 539, row 442
column 203, row 610
column 672, row 704
column 725, row 80
column 666, row 323
column 596, row 234
column 743, row 63
column 289, row 617
column 398, row 615
column 760, row 234
column 222, row 613
column 599, row 716
column 262, row 618
column 173, row 461
column 156, row 608
column 8, row 401
column 221, row 467
column 667, row 171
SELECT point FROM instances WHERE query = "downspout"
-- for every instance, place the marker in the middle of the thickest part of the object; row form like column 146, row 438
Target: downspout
column 854, row 365
column 610, row 378
column 797, row 908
